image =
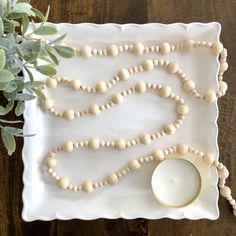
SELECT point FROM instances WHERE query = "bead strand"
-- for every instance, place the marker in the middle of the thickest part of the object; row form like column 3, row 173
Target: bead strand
column 118, row 98
column 157, row 156
column 145, row 138
column 102, row 87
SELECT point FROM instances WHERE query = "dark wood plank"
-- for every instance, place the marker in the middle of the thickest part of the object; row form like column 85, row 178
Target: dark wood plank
column 125, row 11
column 169, row 11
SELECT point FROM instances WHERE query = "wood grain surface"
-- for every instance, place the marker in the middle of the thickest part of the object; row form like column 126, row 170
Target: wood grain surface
column 135, row 11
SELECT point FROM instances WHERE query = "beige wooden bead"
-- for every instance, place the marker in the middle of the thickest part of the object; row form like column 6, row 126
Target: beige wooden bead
column 165, row 48
column 223, row 86
column 189, row 85
column 165, row 91
column 225, row 191
column 223, row 173
column 94, row 110
column 140, row 87
column 101, row 87
column 138, row 48
column 189, row 45
column 208, row 159
column 158, row 155
column 64, row 183
column 210, row 96
column 145, row 139
column 112, row 50
column 182, row 149
column 47, row 103
column 123, row 74
column 169, row 128
column 117, row 98
column 75, row 84
column 172, row 67
column 182, row 109
column 51, row 83
column 69, row 114
column 148, row 65
column 86, row 51
column 232, row 202
column 51, row 162
column 68, row 146
column 94, row 143
column 134, row 165
column 120, row 143
column 223, row 66
column 112, row 179
column 216, row 48
column 87, row 187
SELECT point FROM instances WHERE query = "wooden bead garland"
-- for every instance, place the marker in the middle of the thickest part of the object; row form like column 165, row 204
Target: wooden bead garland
column 148, row 65
column 139, row 48
column 134, row 165
column 145, row 139
column 163, row 91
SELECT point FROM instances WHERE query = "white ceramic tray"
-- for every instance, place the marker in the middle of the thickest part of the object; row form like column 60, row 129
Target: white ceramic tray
column 132, row 197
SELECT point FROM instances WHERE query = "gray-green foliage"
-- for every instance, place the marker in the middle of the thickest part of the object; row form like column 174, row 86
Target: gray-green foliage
column 22, row 50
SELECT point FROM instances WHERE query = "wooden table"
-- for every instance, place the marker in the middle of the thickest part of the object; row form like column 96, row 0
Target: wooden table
column 136, row 11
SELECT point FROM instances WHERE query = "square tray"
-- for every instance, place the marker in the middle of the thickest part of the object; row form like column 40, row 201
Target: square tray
column 132, row 197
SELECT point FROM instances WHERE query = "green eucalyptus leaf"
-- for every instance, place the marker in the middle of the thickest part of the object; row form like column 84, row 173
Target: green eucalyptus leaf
column 46, row 30
column 9, row 141
column 20, row 85
column 47, row 59
column 13, row 130
column 43, row 52
column 65, row 51
column 20, row 107
column 38, row 13
column 8, row 6
column 11, row 86
column 1, row 27
column 46, row 15
column 39, row 93
column 23, row 8
column 18, row 51
column 2, row 59
column 4, row 42
column 36, row 46
column 28, row 88
column 15, row 15
column 32, row 53
column 2, row 111
column 3, row 85
column 53, row 57
column 29, row 74
column 6, row 76
column 7, row 109
column 57, row 39
column 10, row 96
column 25, row 24
column 10, row 105
column 24, row 96
column 12, row 40
column 35, row 83
column 46, row 69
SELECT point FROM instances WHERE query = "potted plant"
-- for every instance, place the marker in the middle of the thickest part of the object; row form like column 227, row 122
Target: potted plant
column 21, row 52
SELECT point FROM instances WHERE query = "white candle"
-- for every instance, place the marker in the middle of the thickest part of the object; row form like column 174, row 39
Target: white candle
column 176, row 182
